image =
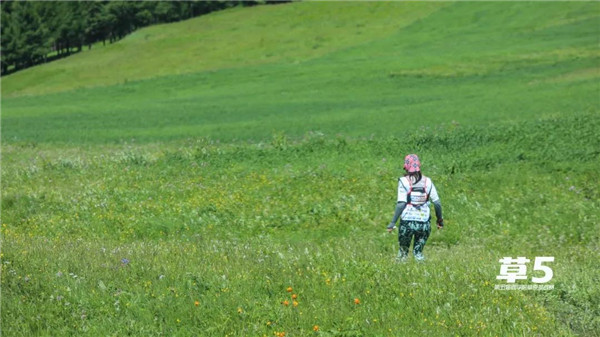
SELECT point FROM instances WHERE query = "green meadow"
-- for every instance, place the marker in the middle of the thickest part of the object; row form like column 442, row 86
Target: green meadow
column 233, row 174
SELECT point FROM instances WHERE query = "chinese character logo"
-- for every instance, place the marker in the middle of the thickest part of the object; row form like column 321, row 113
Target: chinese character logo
column 513, row 269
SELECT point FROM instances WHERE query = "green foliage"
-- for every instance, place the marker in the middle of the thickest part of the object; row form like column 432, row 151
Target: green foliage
column 231, row 226
column 188, row 204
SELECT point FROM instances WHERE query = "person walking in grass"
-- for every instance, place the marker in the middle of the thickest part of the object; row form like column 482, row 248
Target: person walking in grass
column 415, row 192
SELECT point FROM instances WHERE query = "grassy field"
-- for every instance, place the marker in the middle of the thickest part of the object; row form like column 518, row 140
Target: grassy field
column 232, row 175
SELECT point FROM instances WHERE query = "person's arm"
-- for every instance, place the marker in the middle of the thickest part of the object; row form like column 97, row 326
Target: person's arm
column 437, row 204
column 399, row 208
column 438, row 213
column 400, row 205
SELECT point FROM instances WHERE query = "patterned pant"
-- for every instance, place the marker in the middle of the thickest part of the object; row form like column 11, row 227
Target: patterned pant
column 406, row 231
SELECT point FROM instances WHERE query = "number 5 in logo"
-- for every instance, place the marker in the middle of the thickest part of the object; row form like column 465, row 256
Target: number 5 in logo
column 547, row 270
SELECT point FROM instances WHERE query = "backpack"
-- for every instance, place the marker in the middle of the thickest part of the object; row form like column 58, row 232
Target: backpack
column 417, row 193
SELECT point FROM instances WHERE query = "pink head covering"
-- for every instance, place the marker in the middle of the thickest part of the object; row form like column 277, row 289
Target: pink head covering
column 412, row 163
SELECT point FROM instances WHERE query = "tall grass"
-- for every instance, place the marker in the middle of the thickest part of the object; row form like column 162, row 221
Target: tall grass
column 127, row 239
column 175, row 198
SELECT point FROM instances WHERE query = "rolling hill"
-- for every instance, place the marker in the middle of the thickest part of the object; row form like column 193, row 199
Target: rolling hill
column 247, row 73
column 234, row 174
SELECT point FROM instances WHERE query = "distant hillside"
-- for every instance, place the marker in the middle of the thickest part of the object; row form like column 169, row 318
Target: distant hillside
column 37, row 32
column 233, row 38
column 360, row 69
